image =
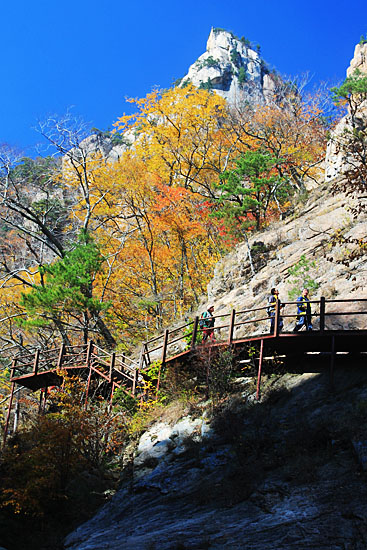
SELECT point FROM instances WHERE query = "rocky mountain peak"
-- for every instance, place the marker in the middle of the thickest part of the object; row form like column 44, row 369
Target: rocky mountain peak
column 359, row 60
column 233, row 68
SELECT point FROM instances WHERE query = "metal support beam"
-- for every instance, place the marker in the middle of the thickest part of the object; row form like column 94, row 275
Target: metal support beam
column 9, row 411
column 332, row 362
column 259, row 370
column 112, row 365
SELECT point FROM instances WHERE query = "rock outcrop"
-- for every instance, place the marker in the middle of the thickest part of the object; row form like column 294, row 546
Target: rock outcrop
column 230, row 66
column 283, row 475
column 110, row 146
column 338, row 159
column 307, row 232
column 286, row 472
column 233, row 69
column 359, row 60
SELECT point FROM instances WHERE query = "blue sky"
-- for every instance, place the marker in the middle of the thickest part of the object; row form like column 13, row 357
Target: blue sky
column 90, row 55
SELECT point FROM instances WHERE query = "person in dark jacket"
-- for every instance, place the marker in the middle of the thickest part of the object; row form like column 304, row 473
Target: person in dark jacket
column 304, row 316
column 272, row 305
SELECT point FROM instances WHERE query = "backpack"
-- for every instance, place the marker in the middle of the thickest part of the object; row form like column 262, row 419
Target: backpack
column 202, row 320
column 271, row 305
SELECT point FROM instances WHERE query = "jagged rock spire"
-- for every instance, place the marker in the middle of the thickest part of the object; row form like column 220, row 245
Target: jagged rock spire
column 233, row 68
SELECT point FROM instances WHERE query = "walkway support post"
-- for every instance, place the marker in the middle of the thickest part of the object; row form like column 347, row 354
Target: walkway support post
column 259, row 371
column 40, row 401
column 112, row 365
column 12, row 370
column 322, row 313
column 88, row 365
column 332, row 362
column 231, row 326
column 163, row 361
column 194, row 332
column 8, row 415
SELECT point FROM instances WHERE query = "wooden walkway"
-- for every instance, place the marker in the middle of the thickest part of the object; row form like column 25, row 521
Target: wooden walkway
column 40, row 370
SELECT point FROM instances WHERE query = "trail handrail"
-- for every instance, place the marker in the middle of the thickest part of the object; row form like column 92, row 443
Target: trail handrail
column 234, row 323
column 121, row 369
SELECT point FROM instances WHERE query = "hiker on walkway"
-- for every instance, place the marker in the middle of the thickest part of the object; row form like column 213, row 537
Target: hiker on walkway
column 271, row 309
column 207, row 322
column 304, row 316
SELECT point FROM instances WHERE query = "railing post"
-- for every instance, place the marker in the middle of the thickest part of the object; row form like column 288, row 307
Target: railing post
column 89, row 353
column 16, row 412
column 145, row 355
column 134, row 381
column 112, row 365
column 165, row 344
column 322, row 313
column 194, row 332
column 259, row 370
column 231, row 326
column 141, row 357
column 87, row 389
column 36, row 362
column 276, row 319
column 61, row 356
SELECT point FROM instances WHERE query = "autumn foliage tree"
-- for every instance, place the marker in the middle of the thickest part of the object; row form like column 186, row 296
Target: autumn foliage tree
column 291, row 126
column 41, row 461
column 150, row 212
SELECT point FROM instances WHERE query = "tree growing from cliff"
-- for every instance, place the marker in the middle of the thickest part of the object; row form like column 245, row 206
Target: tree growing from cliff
column 352, row 92
column 353, row 140
column 291, row 127
column 65, row 296
column 249, row 190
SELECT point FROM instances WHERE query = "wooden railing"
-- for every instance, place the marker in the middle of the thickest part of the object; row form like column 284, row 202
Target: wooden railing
column 255, row 321
column 120, row 370
column 117, row 369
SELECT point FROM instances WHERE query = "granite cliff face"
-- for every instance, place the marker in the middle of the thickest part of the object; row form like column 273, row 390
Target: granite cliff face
column 233, row 69
column 338, row 160
column 288, row 472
